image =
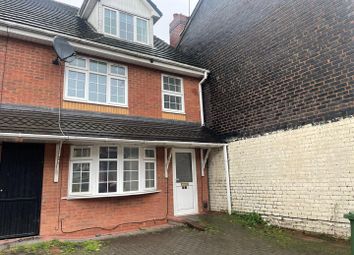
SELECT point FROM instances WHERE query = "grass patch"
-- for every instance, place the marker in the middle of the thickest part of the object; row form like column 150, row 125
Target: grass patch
column 288, row 240
column 55, row 247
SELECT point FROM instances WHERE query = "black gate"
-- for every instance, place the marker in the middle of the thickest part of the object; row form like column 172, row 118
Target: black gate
column 21, row 172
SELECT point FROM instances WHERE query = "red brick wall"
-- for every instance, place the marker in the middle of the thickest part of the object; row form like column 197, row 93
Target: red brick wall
column 31, row 79
column 64, row 218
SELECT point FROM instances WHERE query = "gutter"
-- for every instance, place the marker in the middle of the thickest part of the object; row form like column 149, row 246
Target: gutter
column 43, row 36
column 201, row 101
column 227, row 176
column 81, row 139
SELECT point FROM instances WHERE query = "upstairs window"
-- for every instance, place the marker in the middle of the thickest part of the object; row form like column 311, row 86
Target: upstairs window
column 172, row 94
column 141, row 30
column 125, row 26
column 94, row 81
column 110, row 21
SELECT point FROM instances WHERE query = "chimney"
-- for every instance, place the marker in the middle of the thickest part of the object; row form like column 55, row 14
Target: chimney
column 177, row 26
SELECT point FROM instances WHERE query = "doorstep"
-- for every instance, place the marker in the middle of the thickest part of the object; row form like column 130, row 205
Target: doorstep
column 192, row 221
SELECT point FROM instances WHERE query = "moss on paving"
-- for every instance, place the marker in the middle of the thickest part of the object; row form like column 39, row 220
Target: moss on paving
column 286, row 239
column 55, row 247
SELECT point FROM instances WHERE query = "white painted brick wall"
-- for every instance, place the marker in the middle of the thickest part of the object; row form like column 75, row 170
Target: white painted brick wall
column 301, row 179
column 217, row 181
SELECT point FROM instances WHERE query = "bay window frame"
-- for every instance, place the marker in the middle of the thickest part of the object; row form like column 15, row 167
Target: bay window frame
column 135, row 17
column 94, row 160
column 109, row 76
column 150, row 160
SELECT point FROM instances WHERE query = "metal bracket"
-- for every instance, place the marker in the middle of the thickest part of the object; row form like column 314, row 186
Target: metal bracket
column 168, row 157
column 204, row 160
column 57, row 161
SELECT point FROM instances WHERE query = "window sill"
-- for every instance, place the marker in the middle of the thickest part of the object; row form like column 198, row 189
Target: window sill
column 173, row 112
column 76, row 197
column 67, row 99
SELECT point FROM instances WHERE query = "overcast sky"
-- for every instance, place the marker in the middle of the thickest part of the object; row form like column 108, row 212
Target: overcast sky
column 168, row 8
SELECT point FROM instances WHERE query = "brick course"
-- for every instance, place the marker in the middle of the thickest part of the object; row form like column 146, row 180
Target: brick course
column 31, row 79
column 301, row 179
column 274, row 64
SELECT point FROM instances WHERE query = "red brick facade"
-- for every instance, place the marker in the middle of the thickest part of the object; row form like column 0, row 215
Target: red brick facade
column 98, row 216
column 31, row 79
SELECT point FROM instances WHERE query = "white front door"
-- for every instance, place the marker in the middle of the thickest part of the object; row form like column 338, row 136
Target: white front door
column 185, row 182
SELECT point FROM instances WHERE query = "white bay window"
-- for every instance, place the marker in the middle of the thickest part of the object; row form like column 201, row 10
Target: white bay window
column 126, row 26
column 92, row 81
column 105, row 171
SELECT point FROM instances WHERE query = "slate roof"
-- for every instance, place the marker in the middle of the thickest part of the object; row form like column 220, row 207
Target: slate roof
column 25, row 120
column 64, row 19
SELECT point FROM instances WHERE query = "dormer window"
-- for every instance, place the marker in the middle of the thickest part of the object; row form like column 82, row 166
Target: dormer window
column 125, row 26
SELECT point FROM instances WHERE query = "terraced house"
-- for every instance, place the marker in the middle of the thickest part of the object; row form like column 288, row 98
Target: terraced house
column 248, row 109
column 109, row 142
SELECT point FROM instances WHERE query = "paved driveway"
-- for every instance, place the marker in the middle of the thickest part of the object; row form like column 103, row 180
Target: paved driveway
column 222, row 237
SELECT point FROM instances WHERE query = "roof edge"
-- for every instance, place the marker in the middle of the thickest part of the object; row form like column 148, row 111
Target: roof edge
column 189, row 22
column 88, row 5
column 44, row 36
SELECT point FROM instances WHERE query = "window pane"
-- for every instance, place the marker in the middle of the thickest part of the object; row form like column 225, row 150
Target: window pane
column 112, row 176
column 98, row 67
column 110, row 22
column 149, row 174
column 184, row 167
column 118, row 70
column 131, row 186
column 81, row 152
column 108, row 170
column 131, row 176
column 80, row 177
column 173, row 102
column 149, row 154
column 131, row 153
column 118, row 91
column 141, row 30
column 78, row 62
column 131, row 169
column 97, row 88
column 131, row 165
column 172, row 84
column 76, row 84
column 126, row 23
column 150, row 184
column 108, row 152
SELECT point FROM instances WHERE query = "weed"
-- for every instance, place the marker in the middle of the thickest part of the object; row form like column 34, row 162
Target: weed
column 56, row 247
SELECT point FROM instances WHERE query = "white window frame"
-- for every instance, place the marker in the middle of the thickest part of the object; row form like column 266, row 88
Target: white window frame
column 104, row 21
column 172, row 93
column 107, row 160
column 87, row 72
column 94, row 160
column 135, row 17
column 150, row 160
column 79, row 160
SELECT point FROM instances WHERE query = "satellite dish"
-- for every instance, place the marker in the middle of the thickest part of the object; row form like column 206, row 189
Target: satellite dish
column 64, row 50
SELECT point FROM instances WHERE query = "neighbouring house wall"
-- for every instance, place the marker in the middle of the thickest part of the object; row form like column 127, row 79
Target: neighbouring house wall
column 31, row 79
column 88, row 217
column 274, row 63
column 301, row 179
